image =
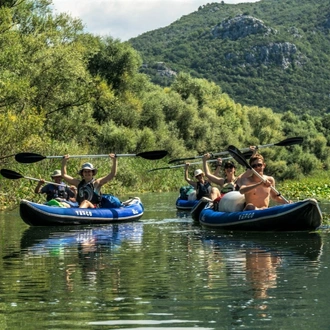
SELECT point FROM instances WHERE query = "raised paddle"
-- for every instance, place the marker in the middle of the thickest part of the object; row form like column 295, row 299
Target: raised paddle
column 182, row 165
column 29, row 157
column 284, row 143
column 247, row 154
column 239, row 157
column 9, row 174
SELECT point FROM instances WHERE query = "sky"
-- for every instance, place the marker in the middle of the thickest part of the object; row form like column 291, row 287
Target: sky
column 125, row 19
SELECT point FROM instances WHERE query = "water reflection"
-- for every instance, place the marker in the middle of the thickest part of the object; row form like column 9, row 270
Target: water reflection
column 261, row 267
column 53, row 240
column 163, row 272
column 257, row 262
column 89, row 243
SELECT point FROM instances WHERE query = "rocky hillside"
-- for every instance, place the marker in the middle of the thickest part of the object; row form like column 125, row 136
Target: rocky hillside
column 271, row 53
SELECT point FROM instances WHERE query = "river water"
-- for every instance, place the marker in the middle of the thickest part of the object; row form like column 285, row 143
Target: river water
column 163, row 272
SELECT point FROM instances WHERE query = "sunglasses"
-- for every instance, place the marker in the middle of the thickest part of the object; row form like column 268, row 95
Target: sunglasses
column 256, row 165
column 197, row 176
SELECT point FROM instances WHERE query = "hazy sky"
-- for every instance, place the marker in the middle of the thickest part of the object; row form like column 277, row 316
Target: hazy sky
column 125, row 19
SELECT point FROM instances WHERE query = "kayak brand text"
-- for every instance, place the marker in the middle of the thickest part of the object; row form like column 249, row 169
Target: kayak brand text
column 87, row 213
column 246, row 216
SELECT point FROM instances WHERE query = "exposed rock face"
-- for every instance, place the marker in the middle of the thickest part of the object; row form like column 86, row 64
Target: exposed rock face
column 163, row 70
column 240, row 27
column 277, row 53
column 281, row 54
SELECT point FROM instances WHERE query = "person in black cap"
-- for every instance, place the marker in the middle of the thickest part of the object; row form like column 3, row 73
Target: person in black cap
column 227, row 183
column 89, row 188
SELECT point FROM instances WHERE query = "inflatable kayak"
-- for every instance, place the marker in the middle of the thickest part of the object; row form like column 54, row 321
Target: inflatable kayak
column 299, row 216
column 35, row 214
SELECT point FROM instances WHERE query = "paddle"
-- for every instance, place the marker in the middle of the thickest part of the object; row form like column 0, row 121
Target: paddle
column 246, row 154
column 28, row 157
column 284, row 143
column 239, row 157
column 9, row 174
column 182, row 165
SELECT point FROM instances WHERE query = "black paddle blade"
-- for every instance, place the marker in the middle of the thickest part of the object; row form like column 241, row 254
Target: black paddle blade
column 238, row 156
column 9, row 174
column 153, row 155
column 28, row 157
column 290, row 141
column 247, row 154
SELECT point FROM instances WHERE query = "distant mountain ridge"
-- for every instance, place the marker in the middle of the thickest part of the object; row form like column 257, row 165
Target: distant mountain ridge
column 270, row 53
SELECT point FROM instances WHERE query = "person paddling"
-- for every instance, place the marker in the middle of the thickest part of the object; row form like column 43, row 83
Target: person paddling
column 89, row 188
column 258, row 192
column 58, row 191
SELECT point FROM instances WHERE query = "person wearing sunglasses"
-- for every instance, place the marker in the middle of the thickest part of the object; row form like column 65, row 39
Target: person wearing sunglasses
column 227, row 183
column 258, row 192
column 201, row 186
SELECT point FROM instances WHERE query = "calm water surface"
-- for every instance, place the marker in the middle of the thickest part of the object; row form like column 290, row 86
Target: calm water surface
column 163, row 272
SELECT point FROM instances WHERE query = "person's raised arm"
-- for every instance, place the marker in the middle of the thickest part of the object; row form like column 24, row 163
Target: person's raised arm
column 208, row 174
column 101, row 181
column 65, row 176
column 218, row 167
column 186, row 176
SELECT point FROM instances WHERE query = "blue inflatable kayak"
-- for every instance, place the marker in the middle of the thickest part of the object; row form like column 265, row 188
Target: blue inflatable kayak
column 35, row 214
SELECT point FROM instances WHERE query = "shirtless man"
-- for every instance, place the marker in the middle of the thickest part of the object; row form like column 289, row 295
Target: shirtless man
column 258, row 192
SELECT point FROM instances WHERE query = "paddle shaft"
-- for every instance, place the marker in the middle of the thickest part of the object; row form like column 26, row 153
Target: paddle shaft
column 3, row 157
column 94, row 156
column 286, row 142
column 28, row 157
column 247, row 154
column 35, row 179
column 182, row 165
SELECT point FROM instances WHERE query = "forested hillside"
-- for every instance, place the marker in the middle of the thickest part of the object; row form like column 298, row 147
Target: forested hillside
column 270, row 53
column 66, row 91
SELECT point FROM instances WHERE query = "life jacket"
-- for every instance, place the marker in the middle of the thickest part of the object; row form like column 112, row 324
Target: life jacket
column 86, row 191
column 203, row 189
column 54, row 191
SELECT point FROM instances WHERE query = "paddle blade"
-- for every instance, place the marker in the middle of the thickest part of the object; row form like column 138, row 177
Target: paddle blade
column 248, row 154
column 9, row 174
column 290, row 141
column 153, row 155
column 238, row 156
column 28, row 157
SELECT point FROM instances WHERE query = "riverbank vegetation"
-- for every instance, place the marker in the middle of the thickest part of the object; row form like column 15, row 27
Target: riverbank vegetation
column 66, row 91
